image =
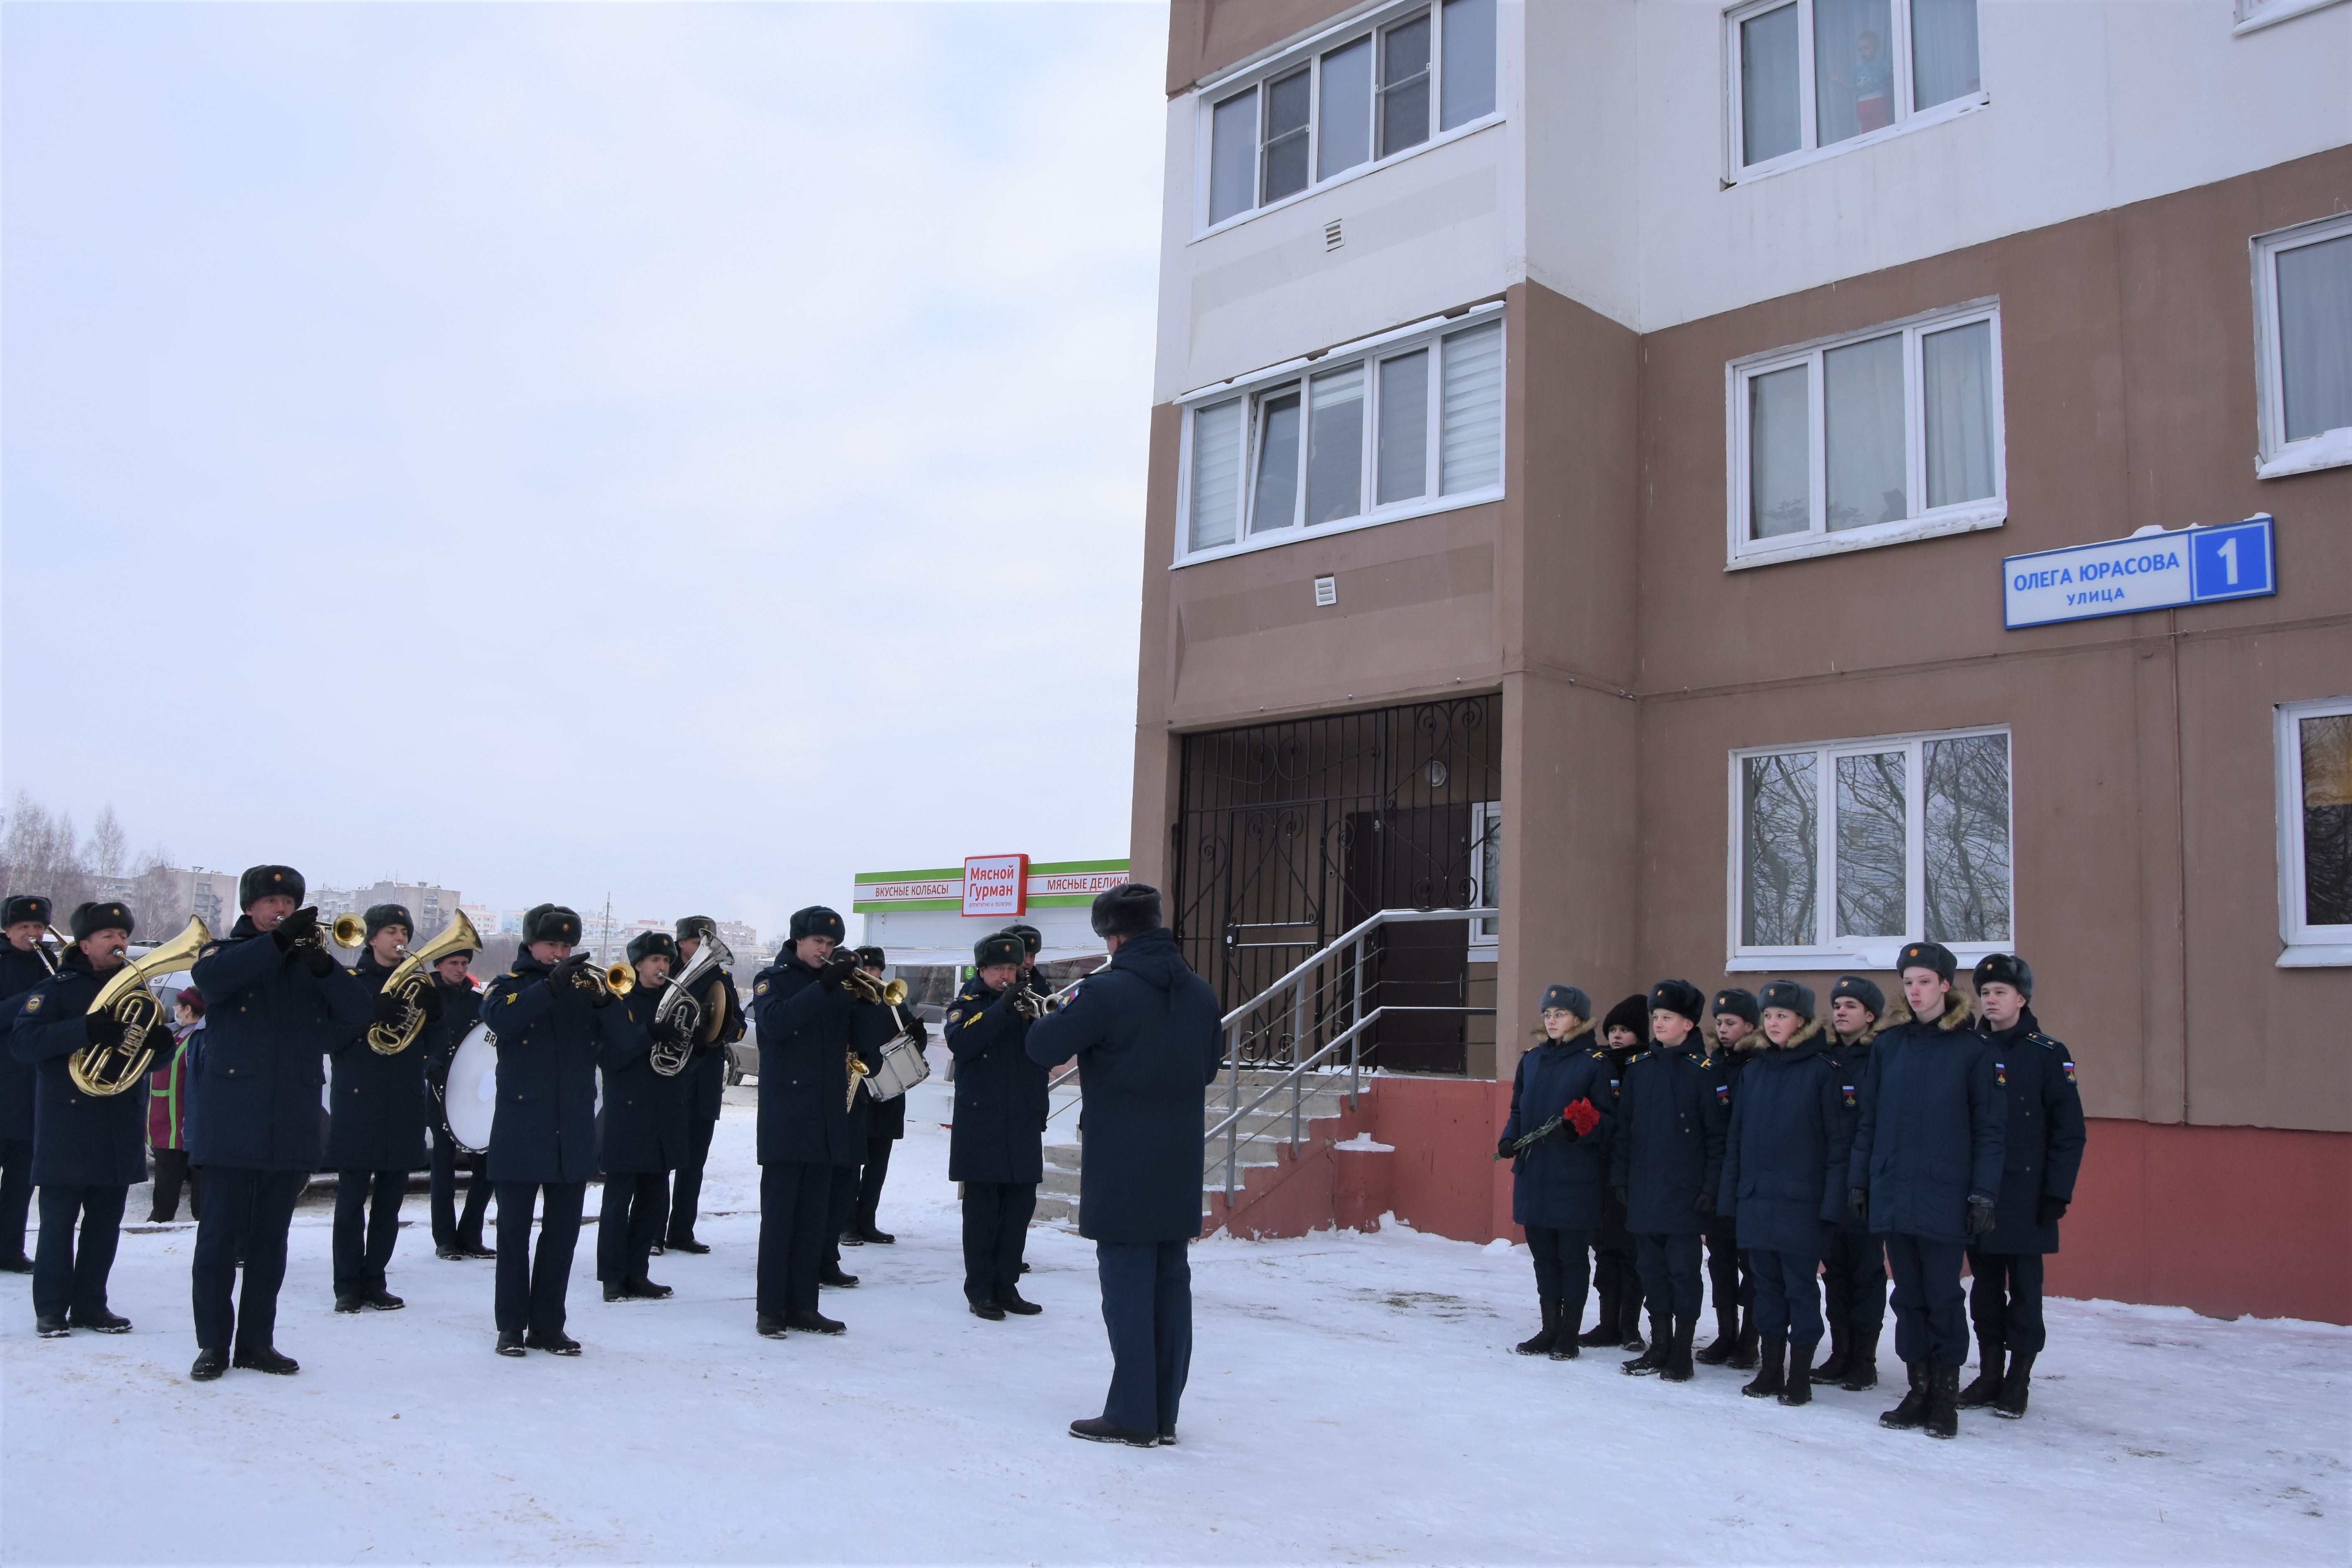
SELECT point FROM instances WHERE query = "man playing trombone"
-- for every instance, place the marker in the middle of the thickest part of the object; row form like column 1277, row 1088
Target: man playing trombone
column 23, row 965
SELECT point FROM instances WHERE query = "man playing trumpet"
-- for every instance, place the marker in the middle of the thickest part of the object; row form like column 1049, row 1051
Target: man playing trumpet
column 377, row 1135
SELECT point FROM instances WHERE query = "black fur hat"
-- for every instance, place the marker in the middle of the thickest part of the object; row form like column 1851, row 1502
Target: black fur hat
column 998, row 947
column 1568, row 996
column 1932, row 955
column 1863, row 991
column 382, row 915
column 109, row 916
column 1633, row 1013
column 261, row 882
column 28, row 907
column 1737, row 1001
column 550, row 923
column 653, row 945
column 816, row 921
column 1032, row 939
column 1796, row 998
column 1129, row 910
column 872, row 958
column 696, row 926
column 1678, row 997
column 2004, row 969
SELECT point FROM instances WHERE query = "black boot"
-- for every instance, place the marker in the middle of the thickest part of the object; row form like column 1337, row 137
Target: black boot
column 1799, row 1390
column 1726, row 1338
column 1771, row 1373
column 1653, row 1360
column 2014, row 1387
column 1565, row 1347
column 1862, row 1363
column 1743, row 1350
column 265, row 1358
column 1629, row 1320
column 1605, row 1329
column 1833, row 1366
column 1988, row 1385
column 209, row 1366
column 509, row 1342
column 1943, row 1419
column 813, row 1323
column 1679, row 1355
column 1907, row 1416
column 769, row 1326
column 1547, row 1336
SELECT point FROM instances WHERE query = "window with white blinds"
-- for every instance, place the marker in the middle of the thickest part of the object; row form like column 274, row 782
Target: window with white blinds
column 1412, row 426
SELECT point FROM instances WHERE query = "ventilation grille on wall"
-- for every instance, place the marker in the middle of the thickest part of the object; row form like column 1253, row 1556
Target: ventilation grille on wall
column 1332, row 238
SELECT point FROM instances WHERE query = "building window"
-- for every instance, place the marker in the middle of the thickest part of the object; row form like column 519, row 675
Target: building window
column 1880, row 436
column 1844, row 852
column 2315, row 815
column 1412, row 426
column 2303, row 336
column 1486, row 871
column 1813, row 76
column 1356, row 97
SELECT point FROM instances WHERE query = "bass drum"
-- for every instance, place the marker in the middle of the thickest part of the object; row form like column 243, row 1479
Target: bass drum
column 471, row 1097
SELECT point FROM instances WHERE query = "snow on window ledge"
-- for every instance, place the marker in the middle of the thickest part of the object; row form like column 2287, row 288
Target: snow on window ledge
column 2332, row 449
column 1859, row 960
column 2316, row 955
column 1805, row 546
column 2253, row 15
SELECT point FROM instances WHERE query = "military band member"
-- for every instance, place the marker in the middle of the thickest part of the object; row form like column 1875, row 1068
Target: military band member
column 1556, row 1139
column 2035, row 1076
column 643, row 1132
column 996, row 1144
column 26, row 919
column 377, row 1135
column 1927, row 1167
column 1616, row 1281
column 885, row 1124
column 1667, row 1163
column 1729, row 1283
column 707, row 1083
column 454, row 1236
column 88, row 1150
column 1853, row 1274
column 275, row 1001
column 552, row 1019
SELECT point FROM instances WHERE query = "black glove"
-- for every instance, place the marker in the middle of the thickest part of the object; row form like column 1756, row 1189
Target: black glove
column 389, row 1010
column 104, row 1029
column 1704, row 1203
column 1503, row 1147
column 2049, row 1210
column 1857, row 1204
column 838, row 967
column 564, row 976
column 1981, row 1216
column 1624, row 1199
column 673, row 1030
column 429, row 999
column 301, row 923
column 320, row 963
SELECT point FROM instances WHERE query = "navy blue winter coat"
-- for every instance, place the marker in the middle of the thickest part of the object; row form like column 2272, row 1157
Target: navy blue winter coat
column 2043, row 1151
column 255, row 1078
column 1561, row 1180
column 19, row 972
column 1671, row 1110
column 78, row 1140
column 999, row 1132
column 807, row 1030
column 1148, row 1041
column 550, row 1039
column 643, row 1126
column 1933, row 1127
column 706, row 1075
column 1853, row 1061
column 461, row 1009
column 1786, row 1149
column 379, row 1102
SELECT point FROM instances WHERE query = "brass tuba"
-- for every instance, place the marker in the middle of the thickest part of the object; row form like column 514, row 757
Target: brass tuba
column 703, row 1016
column 408, row 980
column 103, row 1070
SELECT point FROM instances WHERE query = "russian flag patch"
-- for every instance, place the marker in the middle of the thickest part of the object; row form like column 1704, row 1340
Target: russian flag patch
column 1723, row 1091
column 2070, row 1070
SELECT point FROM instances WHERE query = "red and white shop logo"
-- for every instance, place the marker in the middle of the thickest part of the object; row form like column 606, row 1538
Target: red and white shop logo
column 996, row 885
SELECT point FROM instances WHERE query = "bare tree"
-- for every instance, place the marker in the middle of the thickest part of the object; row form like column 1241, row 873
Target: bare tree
column 108, row 846
column 39, row 854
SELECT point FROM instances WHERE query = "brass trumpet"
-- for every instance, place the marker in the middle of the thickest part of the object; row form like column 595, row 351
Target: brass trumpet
column 345, row 930
column 613, row 980
column 866, row 988
column 408, row 980
column 100, row 1071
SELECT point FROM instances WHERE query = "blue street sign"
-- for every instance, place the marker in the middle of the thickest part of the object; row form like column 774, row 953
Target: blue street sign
column 2233, row 562
column 2153, row 571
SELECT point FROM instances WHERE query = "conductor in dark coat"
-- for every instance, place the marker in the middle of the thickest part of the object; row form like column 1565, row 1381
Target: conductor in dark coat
column 1147, row 1036
column 1666, row 1162
column 377, row 1134
column 1556, row 1139
column 996, row 1147
column 642, row 1133
column 26, row 921
column 276, row 1002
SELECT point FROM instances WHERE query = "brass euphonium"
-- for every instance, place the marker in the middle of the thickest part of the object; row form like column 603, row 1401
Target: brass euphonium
column 103, row 1070
column 699, row 1011
column 408, row 980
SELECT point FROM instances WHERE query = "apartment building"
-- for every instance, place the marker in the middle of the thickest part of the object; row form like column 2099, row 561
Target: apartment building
column 1736, row 487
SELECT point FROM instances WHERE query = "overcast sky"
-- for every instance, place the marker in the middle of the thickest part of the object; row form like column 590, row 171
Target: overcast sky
column 691, row 453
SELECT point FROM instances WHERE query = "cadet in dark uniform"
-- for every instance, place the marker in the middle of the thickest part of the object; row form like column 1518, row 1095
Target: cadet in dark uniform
column 1556, row 1139
column 885, row 1124
column 1926, row 1169
column 276, row 1002
column 1666, row 1164
column 1784, row 1163
column 2035, row 1076
column 706, row 1078
column 21, row 969
column 1616, row 1280
column 552, row 1027
column 1730, row 1284
column 642, row 1132
column 1146, row 1033
column 996, row 1147
column 455, row 1237
column 88, row 1150
column 810, row 1028
column 1853, row 1273
column 377, row 1135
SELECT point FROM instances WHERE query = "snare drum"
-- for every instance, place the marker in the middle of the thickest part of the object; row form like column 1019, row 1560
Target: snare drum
column 903, row 1067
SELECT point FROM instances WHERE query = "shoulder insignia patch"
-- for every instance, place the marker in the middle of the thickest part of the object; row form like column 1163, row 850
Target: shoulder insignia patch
column 210, row 948
column 1850, row 1099
column 761, row 989
column 2068, row 1067
column 1723, row 1091
column 2001, row 1074
column 32, row 1004
column 955, row 1015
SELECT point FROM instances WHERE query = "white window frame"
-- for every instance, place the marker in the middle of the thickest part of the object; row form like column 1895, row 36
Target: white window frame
column 1906, row 118
column 2302, row 945
column 1429, row 335
column 1486, row 935
column 1310, row 52
column 1830, row 951
column 2252, row 15
column 1962, row 516
column 2278, row 457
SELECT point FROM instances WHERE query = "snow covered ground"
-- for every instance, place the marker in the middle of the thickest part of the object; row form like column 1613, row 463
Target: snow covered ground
column 1353, row 1397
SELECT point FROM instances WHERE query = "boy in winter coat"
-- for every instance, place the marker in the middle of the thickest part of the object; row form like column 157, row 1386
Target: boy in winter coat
column 167, row 1111
column 1625, row 1033
column 1853, row 1274
column 1666, row 1164
column 1556, row 1139
column 1728, row 1278
column 2035, row 1076
column 1784, row 1163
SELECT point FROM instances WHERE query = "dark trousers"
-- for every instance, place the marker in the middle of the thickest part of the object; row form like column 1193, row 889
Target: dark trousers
column 840, row 1204
column 1563, row 1268
column 367, row 1224
column 1669, row 1265
column 1931, row 1318
column 871, row 1176
column 449, row 1230
column 996, row 1217
column 1854, row 1279
column 245, row 1213
column 1146, row 1304
column 172, row 1172
column 1614, row 1274
column 2004, row 1299
column 16, row 1194
column 635, row 1209
column 686, row 1190
column 531, row 1288
column 794, row 1196
column 1729, row 1284
column 67, row 1278
column 1788, row 1295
